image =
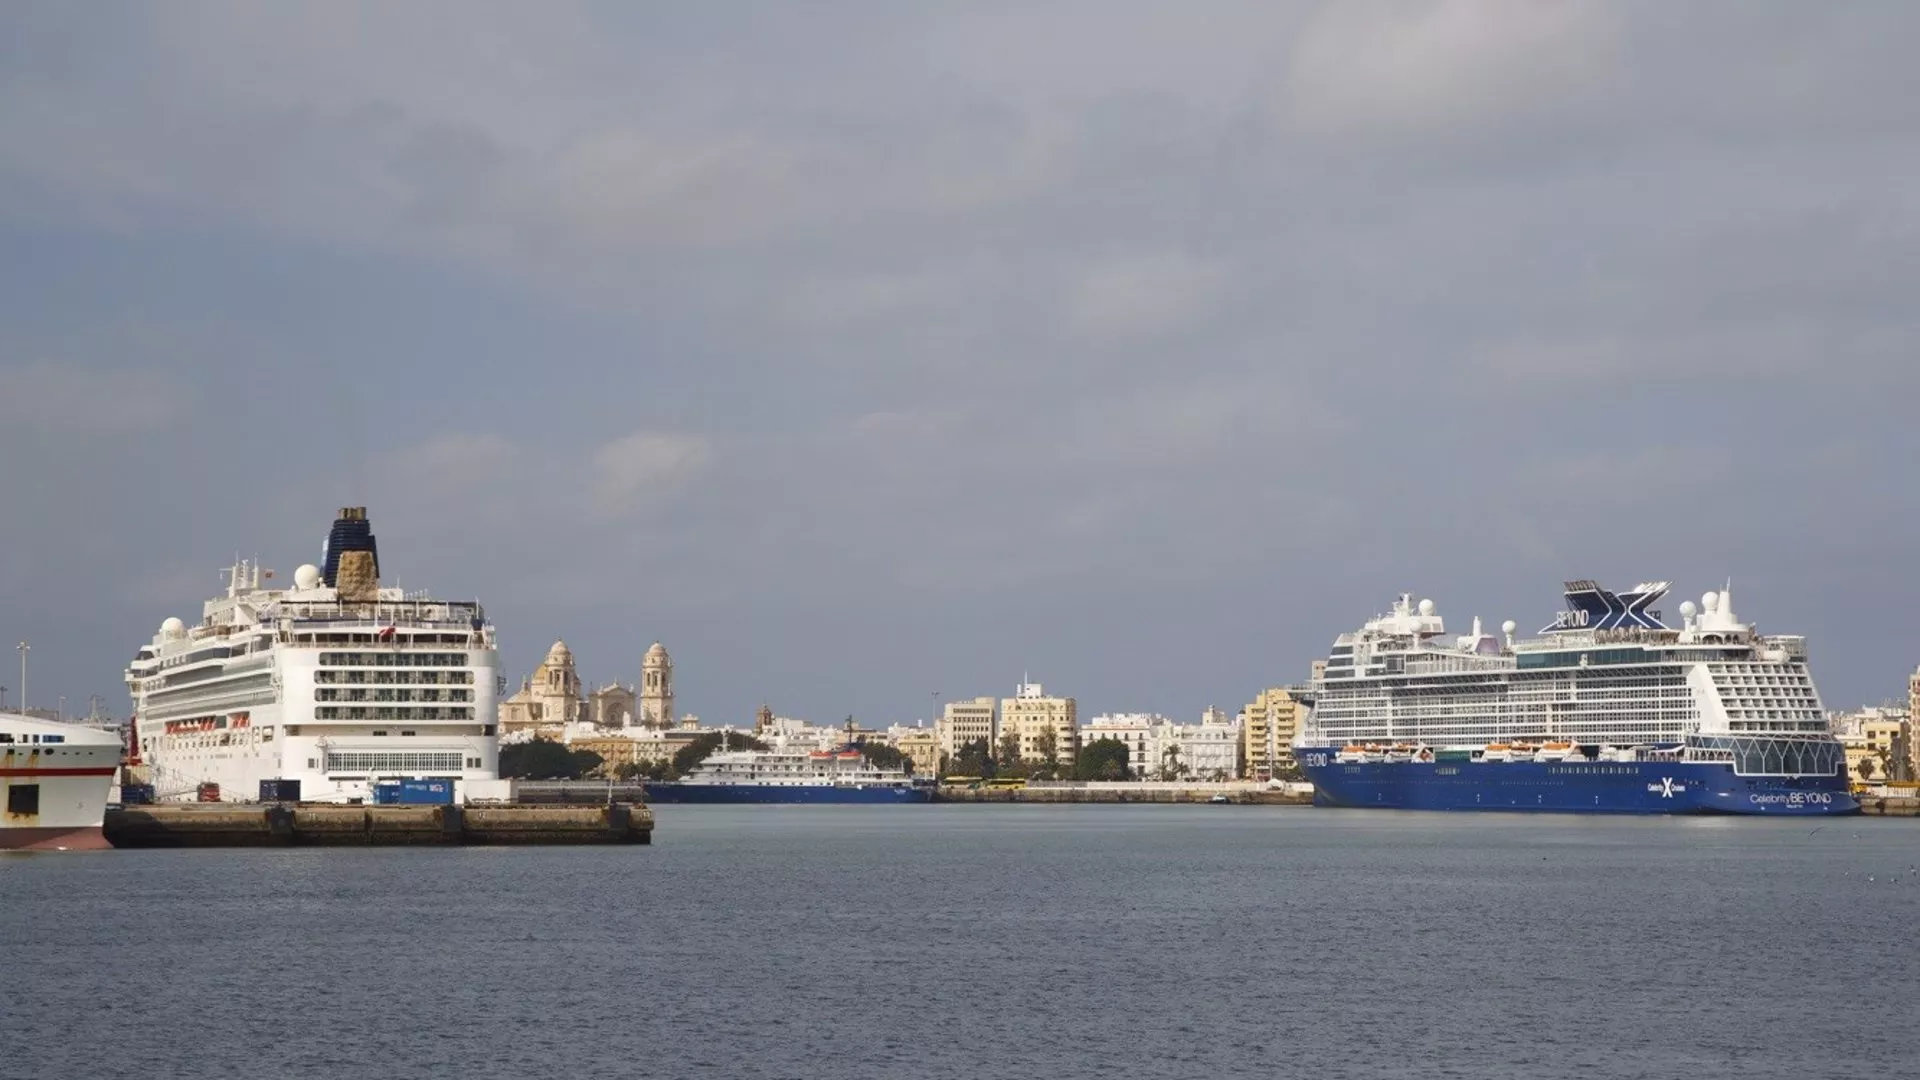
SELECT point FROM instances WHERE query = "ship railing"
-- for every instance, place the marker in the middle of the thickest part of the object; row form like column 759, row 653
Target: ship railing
column 396, row 618
column 446, row 610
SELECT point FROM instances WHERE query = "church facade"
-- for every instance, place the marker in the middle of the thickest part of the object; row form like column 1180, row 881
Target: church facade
column 552, row 700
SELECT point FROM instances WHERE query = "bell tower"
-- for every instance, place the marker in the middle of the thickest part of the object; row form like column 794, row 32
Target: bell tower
column 656, row 688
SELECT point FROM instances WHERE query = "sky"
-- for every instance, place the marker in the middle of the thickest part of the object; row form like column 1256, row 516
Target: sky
column 871, row 355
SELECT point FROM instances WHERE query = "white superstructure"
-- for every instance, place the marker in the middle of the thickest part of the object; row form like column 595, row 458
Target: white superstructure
column 334, row 682
column 793, row 768
column 54, row 779
column 1606, row 674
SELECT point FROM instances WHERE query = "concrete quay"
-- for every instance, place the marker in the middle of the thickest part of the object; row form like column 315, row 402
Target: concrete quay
column 178, row 825
column 1890, row 806
column 1243, row 794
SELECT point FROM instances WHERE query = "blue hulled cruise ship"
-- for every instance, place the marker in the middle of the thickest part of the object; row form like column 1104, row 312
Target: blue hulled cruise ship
column 1607, row 710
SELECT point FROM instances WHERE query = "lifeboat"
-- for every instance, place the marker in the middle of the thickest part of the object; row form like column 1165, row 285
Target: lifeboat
column 1497, row 752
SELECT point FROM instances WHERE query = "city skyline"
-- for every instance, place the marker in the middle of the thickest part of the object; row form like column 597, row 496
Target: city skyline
column 862, row 353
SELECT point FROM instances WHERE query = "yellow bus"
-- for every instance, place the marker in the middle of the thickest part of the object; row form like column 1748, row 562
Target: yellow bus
column 1008, row 782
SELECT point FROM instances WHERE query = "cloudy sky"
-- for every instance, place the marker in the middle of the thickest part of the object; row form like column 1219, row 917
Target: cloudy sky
column 863, row 352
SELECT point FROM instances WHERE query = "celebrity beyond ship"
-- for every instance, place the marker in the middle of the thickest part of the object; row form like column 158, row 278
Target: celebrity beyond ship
column 1608, row 711
column 334, row 683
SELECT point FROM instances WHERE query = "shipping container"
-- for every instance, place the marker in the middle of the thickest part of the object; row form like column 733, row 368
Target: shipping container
column 136, row 794
column 436, row 790
column 426, row 791
column 279, row 791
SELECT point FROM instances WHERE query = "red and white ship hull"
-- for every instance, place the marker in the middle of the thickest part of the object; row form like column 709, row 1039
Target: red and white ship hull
column 54, row 780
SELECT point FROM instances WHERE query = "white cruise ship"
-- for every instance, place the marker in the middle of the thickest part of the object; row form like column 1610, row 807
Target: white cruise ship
column 788, row 775
column 54, row 779
column 324, row 687
column 1608, row 710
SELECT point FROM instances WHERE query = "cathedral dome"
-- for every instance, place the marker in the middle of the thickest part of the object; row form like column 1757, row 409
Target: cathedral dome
column 658, row 652
column 559, row 654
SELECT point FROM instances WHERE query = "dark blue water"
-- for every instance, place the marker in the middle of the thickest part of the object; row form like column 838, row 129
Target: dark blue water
column 1050, row 942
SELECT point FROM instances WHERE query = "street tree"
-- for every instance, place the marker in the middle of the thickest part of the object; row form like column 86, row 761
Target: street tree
column 1103, row 759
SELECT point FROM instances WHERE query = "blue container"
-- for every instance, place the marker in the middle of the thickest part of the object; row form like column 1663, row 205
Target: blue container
column 432, row 791
column 136, row 794
column 279, row 791
column 386, row 793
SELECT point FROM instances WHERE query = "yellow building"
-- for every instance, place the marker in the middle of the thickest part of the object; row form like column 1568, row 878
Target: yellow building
column 1913, row 717
column 1268, row 725
column 922, row 746
column 626, row 747
column 1881, row 741
column 1856, row 750
column 963, row 722
column 1030, row 717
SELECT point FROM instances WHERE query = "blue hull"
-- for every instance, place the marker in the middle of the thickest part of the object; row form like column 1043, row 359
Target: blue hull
column 668, row 792
column 1643, row 787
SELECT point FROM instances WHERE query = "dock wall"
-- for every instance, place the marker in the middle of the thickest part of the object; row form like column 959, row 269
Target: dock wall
column 1890, row 807
column 172, row 825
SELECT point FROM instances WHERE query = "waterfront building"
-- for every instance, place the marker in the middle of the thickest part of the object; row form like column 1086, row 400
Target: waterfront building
column 1268, row 725
column 921, row 745
column 1031, row 719
column 963, row 722
column 1884, row 739
column 787, row 731
column 1881, row 736
column 1209, row 750
column 1133, row 729
column 1159, row 748
column 628, row 746
column 1913, row 717
column 656, row 688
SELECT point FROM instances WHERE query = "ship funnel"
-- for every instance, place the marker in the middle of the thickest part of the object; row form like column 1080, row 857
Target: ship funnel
column 350, row 561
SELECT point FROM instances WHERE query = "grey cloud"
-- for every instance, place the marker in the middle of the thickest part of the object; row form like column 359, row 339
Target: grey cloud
column 48, row 398
column 939, row 326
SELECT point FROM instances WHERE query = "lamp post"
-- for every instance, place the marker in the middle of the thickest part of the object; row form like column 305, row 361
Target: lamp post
column 23, row 649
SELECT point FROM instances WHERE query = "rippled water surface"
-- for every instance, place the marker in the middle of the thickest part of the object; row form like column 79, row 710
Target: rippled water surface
column 964, row 941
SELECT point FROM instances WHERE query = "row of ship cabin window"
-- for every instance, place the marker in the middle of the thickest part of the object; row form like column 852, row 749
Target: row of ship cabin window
column 392, row 659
